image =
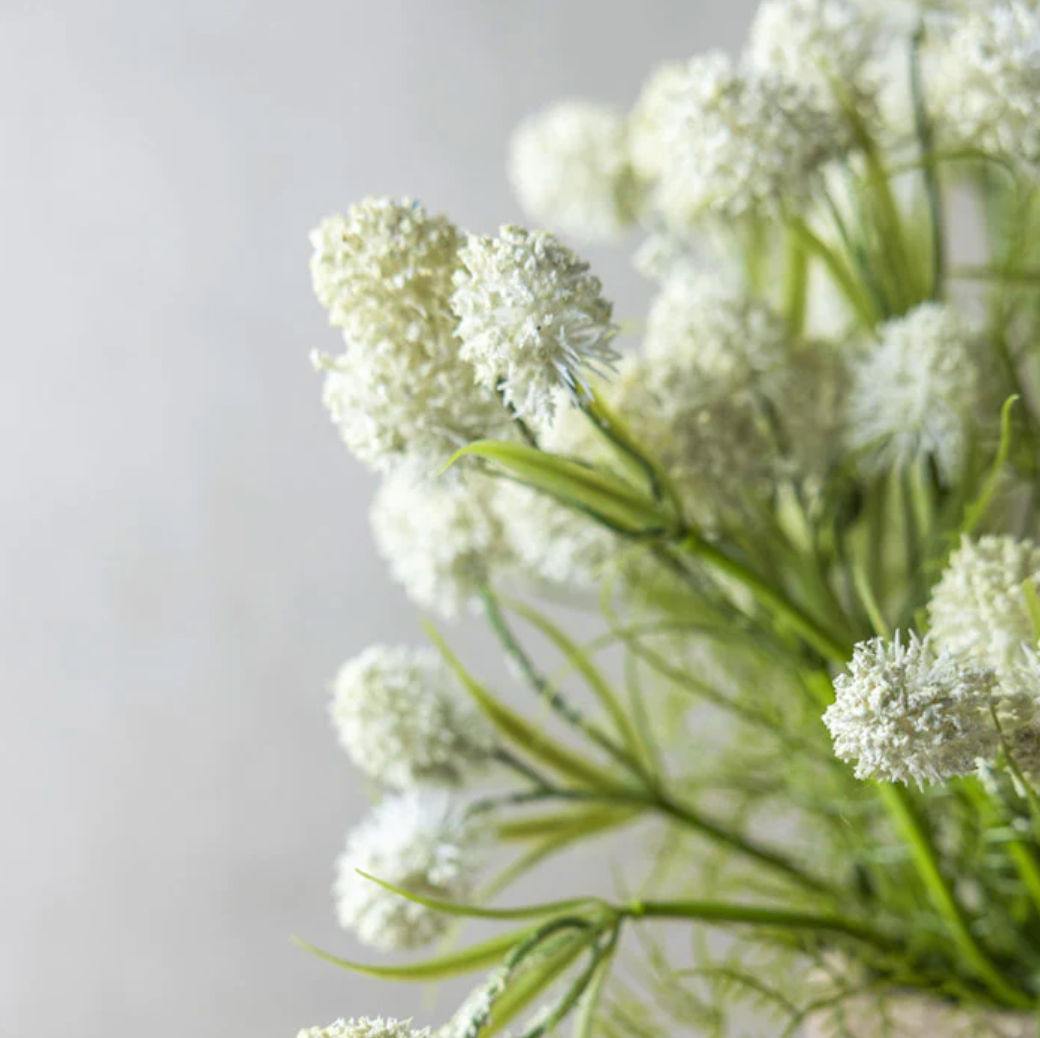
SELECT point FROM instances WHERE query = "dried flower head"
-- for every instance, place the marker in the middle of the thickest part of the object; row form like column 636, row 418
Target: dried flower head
column 415, row 841
column 531, row 318
column 442, row 538
column 906, row 712
column 923, row 390
column 401, row 389
column 979, row 607
column 716, row 142
column 571, row 170
column 364, row 1027
column 986, row 83
column 404, row 721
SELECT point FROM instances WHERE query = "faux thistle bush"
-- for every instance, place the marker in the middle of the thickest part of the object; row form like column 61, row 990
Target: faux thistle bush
column 802, row 499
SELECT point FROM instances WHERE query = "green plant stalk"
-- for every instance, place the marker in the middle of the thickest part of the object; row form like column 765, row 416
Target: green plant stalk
column 926, row 860
column 930, row 170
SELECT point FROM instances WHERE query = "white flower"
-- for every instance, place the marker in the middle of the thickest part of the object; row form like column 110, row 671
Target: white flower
column 401, row 390
column 979, row 607
column 718, row 142
column 1019, row 712
column 442, row 537
column 986, row 87
column 824, row 45
column 531, row 318
column 904, row 711
column 924, row 389
column 403, row 721
column 415, row 841
column 571, row 170
column 364, row 1027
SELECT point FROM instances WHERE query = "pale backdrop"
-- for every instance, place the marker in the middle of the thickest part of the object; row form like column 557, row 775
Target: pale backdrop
column 184, row 556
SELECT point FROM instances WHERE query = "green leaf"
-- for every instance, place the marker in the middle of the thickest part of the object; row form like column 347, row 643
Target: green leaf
column 517, row 730
column 572, row 824
column 479, row 956
column 478, row 912
column 573, row 483
column 976, row 512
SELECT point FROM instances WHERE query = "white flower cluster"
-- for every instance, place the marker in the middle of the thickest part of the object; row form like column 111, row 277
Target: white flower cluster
column 416, row 841
column 924, row 389
column 718, row 142
column 905, row 711
column 979, row 607
column 827, row 46
column 441, row 538
column 365, row 1027
column 987, row 83
column 400, row 391
column 531, row 318
column 403, row 721
column 571, row 169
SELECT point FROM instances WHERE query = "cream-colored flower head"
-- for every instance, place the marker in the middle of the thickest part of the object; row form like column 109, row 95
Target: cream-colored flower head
column 826, row 46
column 905, row 711
column 442, row 537
column 719, row 143
column 532, row 318
column 364, row 1027
column 571, row 170
column 985, row 92
column 979, row 607
column 401, row 390
column 404, row 721
column 924, row 389
column 416, row 841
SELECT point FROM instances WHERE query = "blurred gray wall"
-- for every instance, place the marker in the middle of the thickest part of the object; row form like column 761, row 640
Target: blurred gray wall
column 184, row 554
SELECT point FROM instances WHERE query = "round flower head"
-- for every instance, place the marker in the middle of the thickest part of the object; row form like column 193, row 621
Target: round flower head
column 904, row 711
column 442, row 538
column 403, row 721
column 401, row 390
column 531, row 318
column 570, row 168
column 979, row 607
column 924, row 389
column 364, row 1027
column 718, row 142
column 987, row 83
column 824, row 45
column 416, row 842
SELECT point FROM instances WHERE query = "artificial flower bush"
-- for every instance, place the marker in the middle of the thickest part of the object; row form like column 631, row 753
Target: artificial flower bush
column 803, row 500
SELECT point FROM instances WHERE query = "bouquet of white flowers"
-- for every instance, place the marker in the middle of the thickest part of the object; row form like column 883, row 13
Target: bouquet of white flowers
column 803, row 508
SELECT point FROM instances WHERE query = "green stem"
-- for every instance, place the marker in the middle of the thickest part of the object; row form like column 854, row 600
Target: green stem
column 926, row 860
column 926, row 137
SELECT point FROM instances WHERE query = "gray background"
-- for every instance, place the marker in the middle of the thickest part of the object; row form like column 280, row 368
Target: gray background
column 184, row 551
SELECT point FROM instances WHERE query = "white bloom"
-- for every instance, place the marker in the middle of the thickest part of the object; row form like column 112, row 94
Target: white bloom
column 979, row 607
column 365, row 1027
column 401, row 390
column 403, row 721
column 442, row 538
column 532, row 318
column 718, row 142
column 904, row 711
column 825, row 45
column 986, row 87
column 571, row 170
column 1019, row 712
column 924, row 389
column 414, row 841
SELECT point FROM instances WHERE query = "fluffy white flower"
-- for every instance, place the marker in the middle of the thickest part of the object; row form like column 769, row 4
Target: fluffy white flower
column 364, row 1027
column 718, row 142
column 442, row 537
column 825, row 45
column 571, row 170
column 924, row 389
column 979, row 607
column 401, row 390
column 531, row 318
column 403, row 721
column 904, row 711
column 415, row 841
column 986, row 87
